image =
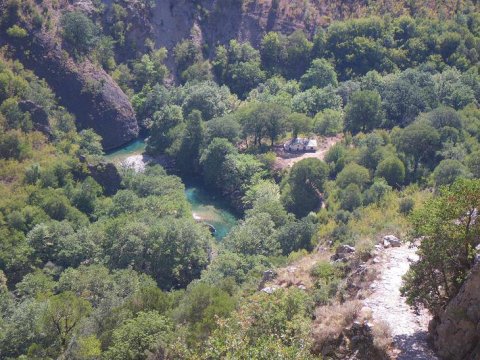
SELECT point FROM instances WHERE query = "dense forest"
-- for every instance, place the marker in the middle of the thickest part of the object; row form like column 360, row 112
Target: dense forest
column 105, row 262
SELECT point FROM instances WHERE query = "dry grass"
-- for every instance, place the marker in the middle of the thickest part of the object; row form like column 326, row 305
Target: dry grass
column 382, row 336
column 331, row 321
column 299, row 272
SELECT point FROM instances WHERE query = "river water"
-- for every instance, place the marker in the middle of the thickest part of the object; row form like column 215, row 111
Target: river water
column 205, row 206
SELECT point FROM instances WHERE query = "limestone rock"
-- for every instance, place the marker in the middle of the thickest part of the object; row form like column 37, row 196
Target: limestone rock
column 456, row 332
column 86, row 90
column 269, row 275
column 345, row 249
column 391, row 240
column 106, row 174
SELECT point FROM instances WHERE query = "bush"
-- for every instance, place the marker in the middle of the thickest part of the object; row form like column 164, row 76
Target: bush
column 448, row 171
column 17, row 32
column 406, row 206
column 392, row 170
column 450, row 232
column 353, row 174
column 79, row 31
column 351, row 197
column 328, row 122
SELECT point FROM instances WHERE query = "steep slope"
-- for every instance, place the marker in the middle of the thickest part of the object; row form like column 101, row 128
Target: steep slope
column 214, row 22
column 83, row 87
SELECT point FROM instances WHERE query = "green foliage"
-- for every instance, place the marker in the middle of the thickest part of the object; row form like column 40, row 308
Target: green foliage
column 185, row 54
column 297, row 234
column 255, row 236
column 17, row 32
column 314, row 100
column 299, row 124
column 320, row 74
column 473, row 163
column 364, row 112
column 238, row 66
column 304, row 186
column 188, row 155
column 328, row 122
column 448, row 225
column 418, row 141
column 267, row 326
column 165, row 128
column 105, row 258
column 90, row 143
column 350, row 197
column 62, row 317
column 173, row 251
column 147, row 332
column 226, row 127
column 212, row 160
column 79, row 31
column 150, row 69
column 201, row 307
column 208, row 98
column 448, row 171
column 392, row 170
column 353, row 174
column 406, row 206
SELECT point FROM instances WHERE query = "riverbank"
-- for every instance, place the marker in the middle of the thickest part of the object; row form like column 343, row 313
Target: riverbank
column 206, row 206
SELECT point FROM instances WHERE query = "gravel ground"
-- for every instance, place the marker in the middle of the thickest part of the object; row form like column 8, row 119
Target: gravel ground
column 409, row 329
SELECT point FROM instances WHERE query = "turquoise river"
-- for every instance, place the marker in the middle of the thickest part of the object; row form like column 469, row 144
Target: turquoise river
column 206, row 206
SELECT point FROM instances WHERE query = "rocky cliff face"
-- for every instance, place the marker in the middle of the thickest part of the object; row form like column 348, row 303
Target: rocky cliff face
column 83, row 88
column 214, row 22
column 457, row 332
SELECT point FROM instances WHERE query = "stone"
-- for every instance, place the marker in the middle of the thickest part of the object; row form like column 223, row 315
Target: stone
column 86, row 89
column 269, row 289
column 392, row 240
column 456, row 331
column 269, row 275
column 344, row 249
column 107, row 176
column 291, row 269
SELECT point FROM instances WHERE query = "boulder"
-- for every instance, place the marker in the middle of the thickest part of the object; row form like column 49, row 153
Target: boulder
column 342, row 253
column 391, row 240
column 269, row 275
column 84, row 88
column 344, row 249
column 269, row 289
column 456, row 332
column 106, row 174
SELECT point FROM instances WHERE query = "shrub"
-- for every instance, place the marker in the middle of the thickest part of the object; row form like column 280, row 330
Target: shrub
column 406, row 206
column 447, row 253
column 17, row 32
column 392, row 170
column 79, row 31
column 328, row 122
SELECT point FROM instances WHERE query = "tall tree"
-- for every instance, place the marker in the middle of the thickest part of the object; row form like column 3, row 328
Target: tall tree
column 364, row 111
column 304, row 186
